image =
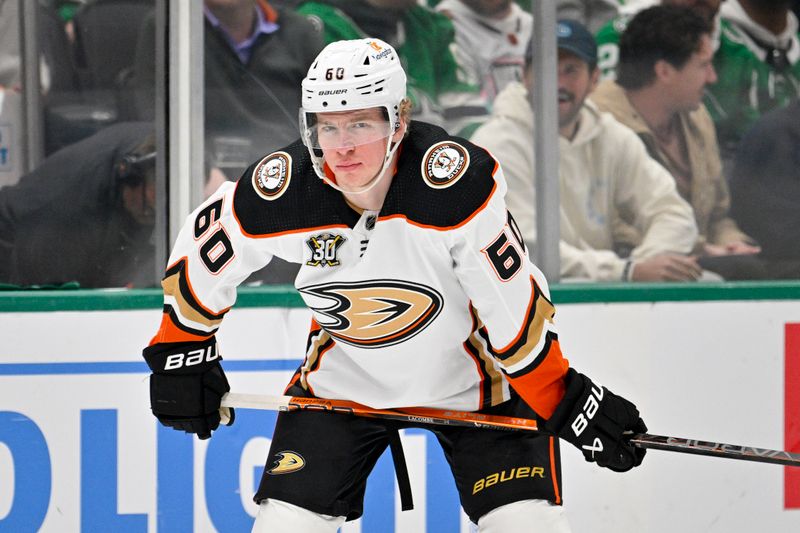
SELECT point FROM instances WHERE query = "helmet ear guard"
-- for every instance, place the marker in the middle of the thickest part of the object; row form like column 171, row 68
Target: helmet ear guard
column 348, row 76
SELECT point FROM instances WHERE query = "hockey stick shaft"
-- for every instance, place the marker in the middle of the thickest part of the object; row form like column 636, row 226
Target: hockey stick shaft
column 471, row 419
column 417, row 415
column 716, row 449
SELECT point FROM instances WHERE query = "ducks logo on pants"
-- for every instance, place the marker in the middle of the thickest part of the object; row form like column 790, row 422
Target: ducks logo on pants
column 287, row 463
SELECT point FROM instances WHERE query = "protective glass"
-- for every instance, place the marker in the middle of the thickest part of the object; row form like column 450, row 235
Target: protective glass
column 331, row 132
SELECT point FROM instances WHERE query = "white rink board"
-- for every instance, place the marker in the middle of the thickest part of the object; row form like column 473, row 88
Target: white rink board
column 79, row 450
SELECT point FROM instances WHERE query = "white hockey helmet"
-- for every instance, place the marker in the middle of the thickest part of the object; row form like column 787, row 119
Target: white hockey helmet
column 347, row 76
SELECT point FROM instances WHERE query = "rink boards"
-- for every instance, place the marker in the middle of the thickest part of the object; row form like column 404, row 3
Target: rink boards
column 79, row 450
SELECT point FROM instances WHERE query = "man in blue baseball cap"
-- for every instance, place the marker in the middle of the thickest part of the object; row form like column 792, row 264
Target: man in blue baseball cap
column 577, row 65
column 578, row 73
column 622, row 218
column 574, row 37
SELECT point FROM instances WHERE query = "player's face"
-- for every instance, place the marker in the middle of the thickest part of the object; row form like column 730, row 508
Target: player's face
column 575, row 82
column 689, row 83
column 353, row 144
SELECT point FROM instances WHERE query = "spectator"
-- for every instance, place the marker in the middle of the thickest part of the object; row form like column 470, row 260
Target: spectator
column 255, row 58
column 765, row 189
column 608, row 36
column 592, row 13
column 605, row 175
column 665, row 64
column 492, row 35
column 437, row 83
column 758, row 64
column 84, row 215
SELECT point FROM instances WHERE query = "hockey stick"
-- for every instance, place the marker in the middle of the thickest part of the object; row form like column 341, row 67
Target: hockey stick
column 715, row 449
column 418, row 415
column 426, row 415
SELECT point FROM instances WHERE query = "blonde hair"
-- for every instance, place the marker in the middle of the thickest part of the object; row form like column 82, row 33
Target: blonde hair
column 405, row 113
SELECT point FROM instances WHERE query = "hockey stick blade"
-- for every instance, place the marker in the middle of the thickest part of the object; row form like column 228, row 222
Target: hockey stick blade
column 470, row 419
column 715, row 449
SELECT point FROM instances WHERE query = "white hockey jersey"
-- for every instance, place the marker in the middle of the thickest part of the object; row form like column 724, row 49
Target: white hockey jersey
column 429, row 302
column 492, row 51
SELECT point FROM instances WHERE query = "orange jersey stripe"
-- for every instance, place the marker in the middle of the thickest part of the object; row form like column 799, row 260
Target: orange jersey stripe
column 543, row 387
column 311, row 229
column 280, row 233
column 169, row 332
column 553, row 471
column 442, row 228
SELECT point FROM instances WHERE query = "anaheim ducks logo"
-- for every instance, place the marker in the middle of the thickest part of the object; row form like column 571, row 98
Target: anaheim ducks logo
column 271, row 175
column 371, row 314
column 444, row 163
column 287, row 463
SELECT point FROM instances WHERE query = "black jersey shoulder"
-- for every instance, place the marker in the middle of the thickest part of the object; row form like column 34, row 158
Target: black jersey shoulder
column 281, row 193
column 441, row 181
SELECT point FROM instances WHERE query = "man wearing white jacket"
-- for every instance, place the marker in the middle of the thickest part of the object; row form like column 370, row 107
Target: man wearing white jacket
column 613, row 194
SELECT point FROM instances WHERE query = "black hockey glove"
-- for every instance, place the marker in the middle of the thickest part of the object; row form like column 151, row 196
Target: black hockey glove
column 599, row 423
column 187, row 385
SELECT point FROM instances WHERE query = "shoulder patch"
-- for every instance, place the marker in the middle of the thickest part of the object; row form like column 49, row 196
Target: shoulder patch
column 272, row 175
column 444, row 163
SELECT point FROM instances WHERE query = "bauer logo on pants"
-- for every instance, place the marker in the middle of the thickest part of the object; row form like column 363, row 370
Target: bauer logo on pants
column 444, row 163
column 287, row 463
column 271, row 175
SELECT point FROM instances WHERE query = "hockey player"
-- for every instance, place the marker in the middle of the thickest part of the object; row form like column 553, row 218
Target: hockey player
column 421, row 293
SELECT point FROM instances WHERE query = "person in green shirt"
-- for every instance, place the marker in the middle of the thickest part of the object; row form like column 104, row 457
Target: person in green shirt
column 608, row 35
column 758, row 65
column 425, row 42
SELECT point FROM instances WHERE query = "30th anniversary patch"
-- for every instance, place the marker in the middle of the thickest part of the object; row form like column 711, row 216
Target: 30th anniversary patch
column 271, row 175
column 444, row 163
